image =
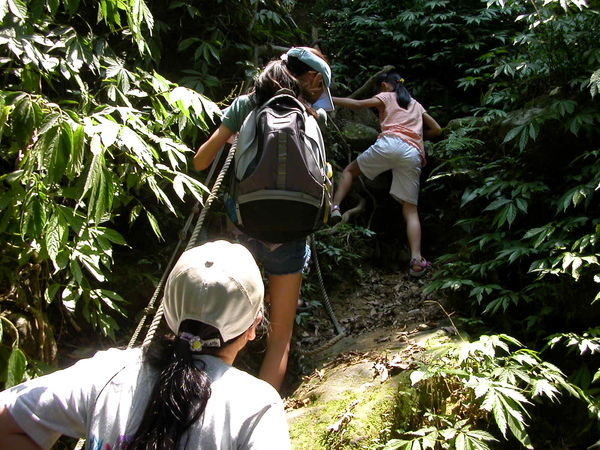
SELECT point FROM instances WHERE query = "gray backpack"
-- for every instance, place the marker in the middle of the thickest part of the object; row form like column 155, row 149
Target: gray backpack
column 281, row 188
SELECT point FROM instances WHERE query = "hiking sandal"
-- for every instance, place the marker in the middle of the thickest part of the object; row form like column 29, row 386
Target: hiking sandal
column 336, row 215
column 419, row 268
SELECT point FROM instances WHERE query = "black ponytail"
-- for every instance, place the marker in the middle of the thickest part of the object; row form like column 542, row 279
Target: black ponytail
column 402, row 95
column 180, row 394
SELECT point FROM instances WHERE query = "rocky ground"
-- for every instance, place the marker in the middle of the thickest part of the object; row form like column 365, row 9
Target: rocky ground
column 339, row 388
column 382, row 309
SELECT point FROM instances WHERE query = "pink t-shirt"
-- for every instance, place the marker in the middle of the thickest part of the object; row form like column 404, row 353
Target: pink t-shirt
column 405, row 123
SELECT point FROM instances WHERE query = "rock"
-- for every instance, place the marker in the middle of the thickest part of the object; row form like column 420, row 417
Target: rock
column 358, row 136
column 354, row 397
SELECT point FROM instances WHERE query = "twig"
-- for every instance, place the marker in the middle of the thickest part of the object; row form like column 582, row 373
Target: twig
column 448, row 316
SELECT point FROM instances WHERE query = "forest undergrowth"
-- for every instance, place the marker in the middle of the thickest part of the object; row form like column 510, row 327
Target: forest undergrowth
column 101, row 108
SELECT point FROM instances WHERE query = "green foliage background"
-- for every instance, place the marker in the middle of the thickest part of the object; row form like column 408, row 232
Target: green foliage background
column 103, row 102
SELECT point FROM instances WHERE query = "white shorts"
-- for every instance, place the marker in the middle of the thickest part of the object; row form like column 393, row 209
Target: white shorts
column 391, row 152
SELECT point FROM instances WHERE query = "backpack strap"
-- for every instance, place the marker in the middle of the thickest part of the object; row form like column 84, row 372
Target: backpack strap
column 286, row 92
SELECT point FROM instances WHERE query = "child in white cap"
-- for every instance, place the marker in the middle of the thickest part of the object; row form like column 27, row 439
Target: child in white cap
column 177, row 393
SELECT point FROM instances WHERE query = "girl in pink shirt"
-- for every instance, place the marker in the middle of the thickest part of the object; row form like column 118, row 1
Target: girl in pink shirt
column 399, row 148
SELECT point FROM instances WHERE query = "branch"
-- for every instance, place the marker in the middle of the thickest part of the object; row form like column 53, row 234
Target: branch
column 346, row 217
column 366, row 90
column 270, row 50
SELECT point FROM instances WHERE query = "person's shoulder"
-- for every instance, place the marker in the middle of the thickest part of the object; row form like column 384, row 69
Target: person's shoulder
column 119, row 354
column 108, row 361
column 415, row 103
column 385, row 95
column 387, row 98
column 243, row 103
column 238, row 383
column 234, row 114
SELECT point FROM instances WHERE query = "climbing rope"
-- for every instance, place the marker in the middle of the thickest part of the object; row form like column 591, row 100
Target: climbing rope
column 338, row 328
column 162, row 281
column 193, row 242
column 182, row 237
column 194, row 238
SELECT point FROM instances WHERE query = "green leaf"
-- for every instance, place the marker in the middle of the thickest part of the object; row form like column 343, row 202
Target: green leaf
column 544, row 388
column 33, row 215
column 91, row 261
column 51, row 292
column 50, row 120
column 56, row 146
column 53, row 6
column 508, row 214
column 469, row 195
column 135, row 143
column 496, row 204
column 160, row 194
column 194, row 186
column 112, row 235
column 18, row 8
column 513, row 133
column 72, row 6
column 521, row 205
column 100, row 187
column 76, row 271
column 56, row 237
column 16, row 367
column 107, row 298
column 154, row 224
column 24, row 118
column 77, row 152
column 3, row 8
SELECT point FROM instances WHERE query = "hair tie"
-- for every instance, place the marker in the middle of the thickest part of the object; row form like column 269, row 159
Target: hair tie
column 401, row 80
column 197, row 343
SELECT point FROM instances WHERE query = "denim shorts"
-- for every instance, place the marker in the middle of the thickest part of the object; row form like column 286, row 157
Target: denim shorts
column 278, row 259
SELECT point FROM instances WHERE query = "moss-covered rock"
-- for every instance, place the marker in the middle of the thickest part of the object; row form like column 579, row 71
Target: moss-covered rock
column 352, row 402
column 349, row 410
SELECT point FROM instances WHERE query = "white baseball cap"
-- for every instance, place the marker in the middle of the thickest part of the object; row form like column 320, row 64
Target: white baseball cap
column 217, row 283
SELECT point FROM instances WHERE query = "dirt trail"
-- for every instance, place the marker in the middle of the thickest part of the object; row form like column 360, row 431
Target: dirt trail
column 385, row 309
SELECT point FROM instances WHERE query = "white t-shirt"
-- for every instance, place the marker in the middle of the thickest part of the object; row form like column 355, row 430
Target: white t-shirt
column 103, row 398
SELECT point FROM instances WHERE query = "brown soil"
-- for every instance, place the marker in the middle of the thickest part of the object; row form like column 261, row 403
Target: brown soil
column 374, row 314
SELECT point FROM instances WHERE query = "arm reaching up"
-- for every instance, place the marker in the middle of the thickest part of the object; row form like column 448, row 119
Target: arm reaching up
column 357, row 104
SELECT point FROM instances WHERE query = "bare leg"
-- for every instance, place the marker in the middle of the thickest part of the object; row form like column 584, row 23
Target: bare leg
column 413, row 229
column 284, row 293
column 345, row 182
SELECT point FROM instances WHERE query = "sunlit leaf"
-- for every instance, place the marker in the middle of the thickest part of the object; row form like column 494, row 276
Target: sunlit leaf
column 18, row 8
column 15, row 367
column 154, row 224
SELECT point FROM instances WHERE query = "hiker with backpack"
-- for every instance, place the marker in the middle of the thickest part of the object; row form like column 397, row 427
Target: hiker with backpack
column 280, row 168
column 399, row 147
column 178, row 392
